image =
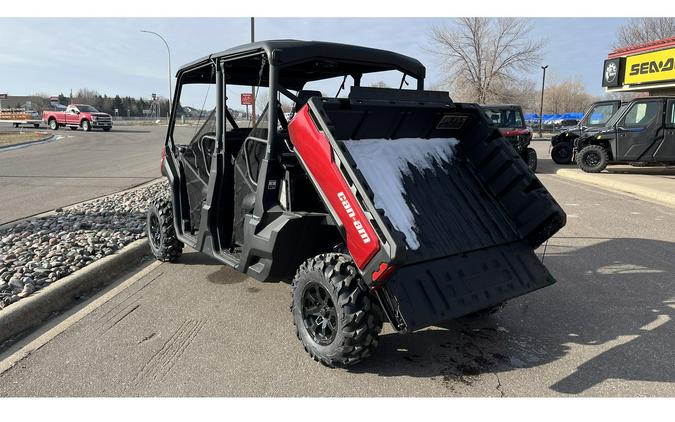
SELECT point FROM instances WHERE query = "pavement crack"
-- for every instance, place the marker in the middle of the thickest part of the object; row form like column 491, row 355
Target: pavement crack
column 499, row 385
column 146, row 338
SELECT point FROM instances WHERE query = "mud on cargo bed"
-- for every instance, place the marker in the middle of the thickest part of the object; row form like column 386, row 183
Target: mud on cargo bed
column 455, row 211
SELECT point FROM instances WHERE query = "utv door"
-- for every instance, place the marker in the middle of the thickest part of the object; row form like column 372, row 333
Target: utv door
column 665, row 151
column 639, row 131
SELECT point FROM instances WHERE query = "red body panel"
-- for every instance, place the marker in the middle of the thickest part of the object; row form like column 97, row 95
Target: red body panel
column 317, row 154
column 514, row 132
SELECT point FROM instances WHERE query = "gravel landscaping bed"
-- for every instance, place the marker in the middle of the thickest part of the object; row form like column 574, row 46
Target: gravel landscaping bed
column 37, row 252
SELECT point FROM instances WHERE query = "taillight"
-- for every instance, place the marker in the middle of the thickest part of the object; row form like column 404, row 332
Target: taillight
column 382, row 274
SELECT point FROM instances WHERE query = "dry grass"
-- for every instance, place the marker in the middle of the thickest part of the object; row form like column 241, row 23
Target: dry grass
column 13, row 138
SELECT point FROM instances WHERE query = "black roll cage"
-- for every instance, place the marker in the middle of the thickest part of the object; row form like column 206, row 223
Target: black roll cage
column 268, row 76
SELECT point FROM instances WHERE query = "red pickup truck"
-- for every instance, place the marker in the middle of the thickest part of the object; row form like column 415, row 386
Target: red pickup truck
column 78, row 115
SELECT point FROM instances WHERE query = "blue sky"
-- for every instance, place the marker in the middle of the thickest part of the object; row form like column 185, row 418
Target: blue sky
column 111, row 56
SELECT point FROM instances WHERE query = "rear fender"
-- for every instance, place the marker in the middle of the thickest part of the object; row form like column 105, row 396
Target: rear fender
column 317, row 156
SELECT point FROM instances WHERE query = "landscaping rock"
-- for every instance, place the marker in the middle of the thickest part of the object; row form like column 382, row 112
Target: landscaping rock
column 37, row 252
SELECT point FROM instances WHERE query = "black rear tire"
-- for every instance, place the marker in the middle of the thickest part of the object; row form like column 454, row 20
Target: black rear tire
column 562, row 153
column 592, row 158
column 161, row 234
column 531, row 159
column 53, row 125
column 336, row 318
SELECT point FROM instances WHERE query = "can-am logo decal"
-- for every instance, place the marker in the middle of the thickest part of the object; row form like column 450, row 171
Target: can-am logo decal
column 651, row 67
column 351, row 214
column 610, row 72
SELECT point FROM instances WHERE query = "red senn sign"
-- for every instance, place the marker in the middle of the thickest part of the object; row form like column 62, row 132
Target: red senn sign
column 246, row 99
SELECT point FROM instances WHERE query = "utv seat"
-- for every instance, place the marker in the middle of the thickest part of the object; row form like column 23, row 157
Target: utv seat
column 246, row 170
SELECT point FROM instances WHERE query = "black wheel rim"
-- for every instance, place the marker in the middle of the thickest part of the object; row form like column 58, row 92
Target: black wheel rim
column 563, row 153
column 319, row 314
column 154, row 232
column 592, row 159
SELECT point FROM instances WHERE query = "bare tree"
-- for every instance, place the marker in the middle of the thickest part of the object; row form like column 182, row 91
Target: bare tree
column 483, row 55
column 567, row 96
column 644, row 30
column 86, row 95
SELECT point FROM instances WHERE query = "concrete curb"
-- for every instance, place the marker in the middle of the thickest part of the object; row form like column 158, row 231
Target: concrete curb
column 25, row 144
column 62, row 294
column 607, row 182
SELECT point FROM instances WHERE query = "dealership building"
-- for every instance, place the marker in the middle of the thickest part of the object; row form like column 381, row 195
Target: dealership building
column 648, row 68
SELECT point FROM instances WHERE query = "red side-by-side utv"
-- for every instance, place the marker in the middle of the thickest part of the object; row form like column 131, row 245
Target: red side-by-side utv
column 385, row 205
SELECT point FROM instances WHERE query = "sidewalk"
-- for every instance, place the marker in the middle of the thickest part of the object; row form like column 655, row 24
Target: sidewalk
column 655, row 184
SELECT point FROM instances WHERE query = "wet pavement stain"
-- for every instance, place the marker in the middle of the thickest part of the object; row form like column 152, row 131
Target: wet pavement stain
column 252, row 289
column 226, row 275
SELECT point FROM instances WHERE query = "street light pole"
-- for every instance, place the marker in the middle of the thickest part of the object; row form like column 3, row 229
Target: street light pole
column 169, row 57
column 541, row 104
column 253, row 87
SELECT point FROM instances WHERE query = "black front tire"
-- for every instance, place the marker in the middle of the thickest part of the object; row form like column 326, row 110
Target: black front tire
column 592, row 158
column 86, row 126
column 161, row 233
column 53, row 125
column 562, row 153
column 336, row 318
column 107, row 129
column 531, row 159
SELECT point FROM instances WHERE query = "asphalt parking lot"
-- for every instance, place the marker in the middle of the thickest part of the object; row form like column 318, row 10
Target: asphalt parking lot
column 80, row 166
column 197, row 328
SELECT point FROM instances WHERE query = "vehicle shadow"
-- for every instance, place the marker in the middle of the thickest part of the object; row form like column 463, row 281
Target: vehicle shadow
column 618, row 301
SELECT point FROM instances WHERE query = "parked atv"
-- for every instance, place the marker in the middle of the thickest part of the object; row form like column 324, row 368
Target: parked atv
column 509, row 119
column 641, row 133
column 389, row 205
column 597, row 115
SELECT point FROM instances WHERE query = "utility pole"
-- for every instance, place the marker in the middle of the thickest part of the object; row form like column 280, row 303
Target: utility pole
column 253, row 87
column 541, row 104
column 168, row 53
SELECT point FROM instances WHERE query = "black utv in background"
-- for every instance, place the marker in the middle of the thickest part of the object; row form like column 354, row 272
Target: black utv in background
column 596, row 117
column 641, row 133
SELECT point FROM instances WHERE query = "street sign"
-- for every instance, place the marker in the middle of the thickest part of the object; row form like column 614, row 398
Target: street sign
column 247, row 99
column 3, row 96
